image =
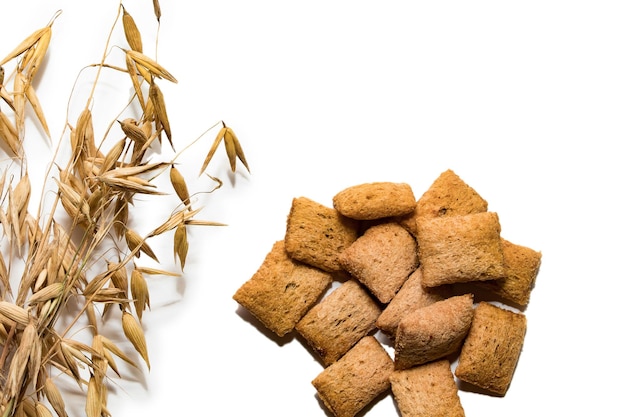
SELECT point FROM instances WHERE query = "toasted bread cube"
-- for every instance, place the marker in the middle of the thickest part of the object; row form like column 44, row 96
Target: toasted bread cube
column 492, row 348
column 317, row 234
column 411, row 296
column 382, row 259
column 433, row 332
column 355, row 380
column 375, row 200
column 449, row 195
column 427, row 390
column 521, row 267
column 282, row 290
column 339, row 320
column 455, row 249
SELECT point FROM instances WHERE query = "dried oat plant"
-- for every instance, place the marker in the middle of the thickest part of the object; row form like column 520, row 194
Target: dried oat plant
column 69, row 276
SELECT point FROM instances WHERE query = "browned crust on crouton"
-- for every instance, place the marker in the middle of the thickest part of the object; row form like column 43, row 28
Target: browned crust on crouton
column 355, row 380
column 433, row 332
column 492, row 348
column 339, row 320
column 282, row 290
column 382, row 259
column 317, row 234
column 456, row 249
column 375, row 200
column 427, row 390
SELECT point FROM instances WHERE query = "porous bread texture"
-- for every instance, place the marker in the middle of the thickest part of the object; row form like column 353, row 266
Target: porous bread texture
column 427, row 390
column 492, row 348
column 411, row 296
column 317, row 234
column 521, row 267
column 455, row 249
column 282, row 290
column 339, row 320
column 433, row 332
column 381, row 259
column 355, row 380
column 375, row 200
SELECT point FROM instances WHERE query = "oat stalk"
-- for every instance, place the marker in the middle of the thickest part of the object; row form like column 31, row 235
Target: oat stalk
column 72, row 267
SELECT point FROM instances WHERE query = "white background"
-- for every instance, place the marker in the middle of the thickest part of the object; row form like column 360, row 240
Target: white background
column 525, row 101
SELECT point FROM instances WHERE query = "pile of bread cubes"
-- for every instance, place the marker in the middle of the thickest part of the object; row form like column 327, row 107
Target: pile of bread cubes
column 381, row 262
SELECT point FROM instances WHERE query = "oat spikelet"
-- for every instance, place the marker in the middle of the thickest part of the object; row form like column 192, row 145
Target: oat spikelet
column 134, row 333
column 151, row 65
column 181, row 245
column 234, row 150
column 42, row 410
column 158, row 101
column 157, row 9
column 93, row 407
column 179, row 184
column 49, row 292
column 26, row 44
column 216, row 143
column 133, row 36
column 9, row 134
column 134, row 241
column 14, row 313
column 54, row 397
column 139, row 292
column 32, row 98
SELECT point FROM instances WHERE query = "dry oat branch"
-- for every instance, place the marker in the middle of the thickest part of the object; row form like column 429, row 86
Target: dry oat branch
column 77, row 257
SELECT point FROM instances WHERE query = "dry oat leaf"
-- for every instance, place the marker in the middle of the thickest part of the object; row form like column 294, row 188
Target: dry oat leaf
column 133, row 36
column 181, row 245
column 196, row 222
column 134, row 333
column 26, row 44
column 158, row 101
column 137, row 244
column 54, row 397
column 179, row 184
